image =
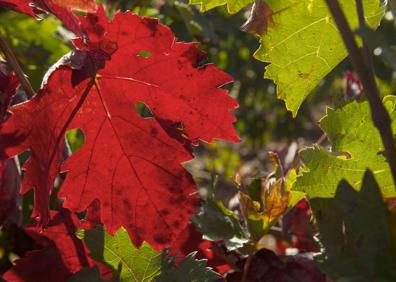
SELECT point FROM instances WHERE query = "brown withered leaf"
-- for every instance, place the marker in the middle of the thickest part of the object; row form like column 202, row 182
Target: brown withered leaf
column 275, row 199
column 274, row 202
column 259, row 20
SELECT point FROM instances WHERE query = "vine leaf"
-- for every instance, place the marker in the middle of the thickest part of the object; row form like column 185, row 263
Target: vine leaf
column 233, row 6
column 267, row 200
column 130, row 164
column 259, row 19
column 302, row 44
column 188, row 269
column 217, row 223
column 299, row 40
column 61, row 255
column 10, row 180
column 137, row 265
column 356, row 145
column 354, row 233
column 191, row 240
column 10, row 200
column 8, row 86
column 21, row 6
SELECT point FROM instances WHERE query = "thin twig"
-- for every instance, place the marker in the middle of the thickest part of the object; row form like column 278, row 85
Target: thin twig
column 12, row 60
column 379, row 114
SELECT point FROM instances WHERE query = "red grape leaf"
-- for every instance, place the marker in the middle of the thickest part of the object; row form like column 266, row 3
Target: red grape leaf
column 8, row 85
column 61, row 255
column 62, row 9
column 10, row 181
column 10, row 202
column 130, row 164
column 22, row 6
column 190, row 240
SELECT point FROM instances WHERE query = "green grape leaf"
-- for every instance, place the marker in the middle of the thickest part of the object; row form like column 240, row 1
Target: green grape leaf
column 189, row 269
column 302, row 44
column 356, row 145
column 354, row 233
column 35, row 44
column 217, row 223
column 233, row 6
column 137, row 265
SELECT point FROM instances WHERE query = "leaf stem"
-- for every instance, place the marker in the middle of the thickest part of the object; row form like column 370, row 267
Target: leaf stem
column 12, row 60
column 359, row 61
column 246, row 268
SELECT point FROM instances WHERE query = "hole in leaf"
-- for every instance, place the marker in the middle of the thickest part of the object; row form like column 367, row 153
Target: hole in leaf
column 75, row 139
column 142, row 110
column 23, row 157
column 144, row 54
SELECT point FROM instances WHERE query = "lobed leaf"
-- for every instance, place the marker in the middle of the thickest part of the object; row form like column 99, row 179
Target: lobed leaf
column 354, row 233
column 189, row 269
column 299, row 40
column 130, row 164
column 62, row 9
column 61, row 255
column 140, row 265
column 356, row 146
column 233, row 5
column 302, row 44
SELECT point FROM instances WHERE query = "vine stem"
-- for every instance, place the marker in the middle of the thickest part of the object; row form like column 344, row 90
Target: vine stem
column 246, row 268
column 12, row 60
column 363, row 68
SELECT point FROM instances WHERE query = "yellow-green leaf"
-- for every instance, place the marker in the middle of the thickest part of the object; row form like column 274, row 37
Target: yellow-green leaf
column 356, row 146
column 302, row 44
column 232, row 5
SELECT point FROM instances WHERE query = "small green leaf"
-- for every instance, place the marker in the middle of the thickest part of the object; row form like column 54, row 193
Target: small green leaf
column 189, row 269
column 233, row 5
column 356, row 145
column 137, row 265
column 354, row 233
column 217, row 223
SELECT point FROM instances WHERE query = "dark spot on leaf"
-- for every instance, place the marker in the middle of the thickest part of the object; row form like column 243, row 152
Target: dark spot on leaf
column 180, row 199
column 154, row 132
column 160, row 239
column 176, row 224
column 127, row 204
column 164, row 212
column 303, row 75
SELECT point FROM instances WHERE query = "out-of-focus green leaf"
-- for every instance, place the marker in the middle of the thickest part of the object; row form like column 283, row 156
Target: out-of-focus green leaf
column 137, row 265
column 302, row 44
column 36, row 44
column 356, row 145
column 232, row 5
column 375, row 40
column 354, row 234
column 189, row 269
column 217, row 223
